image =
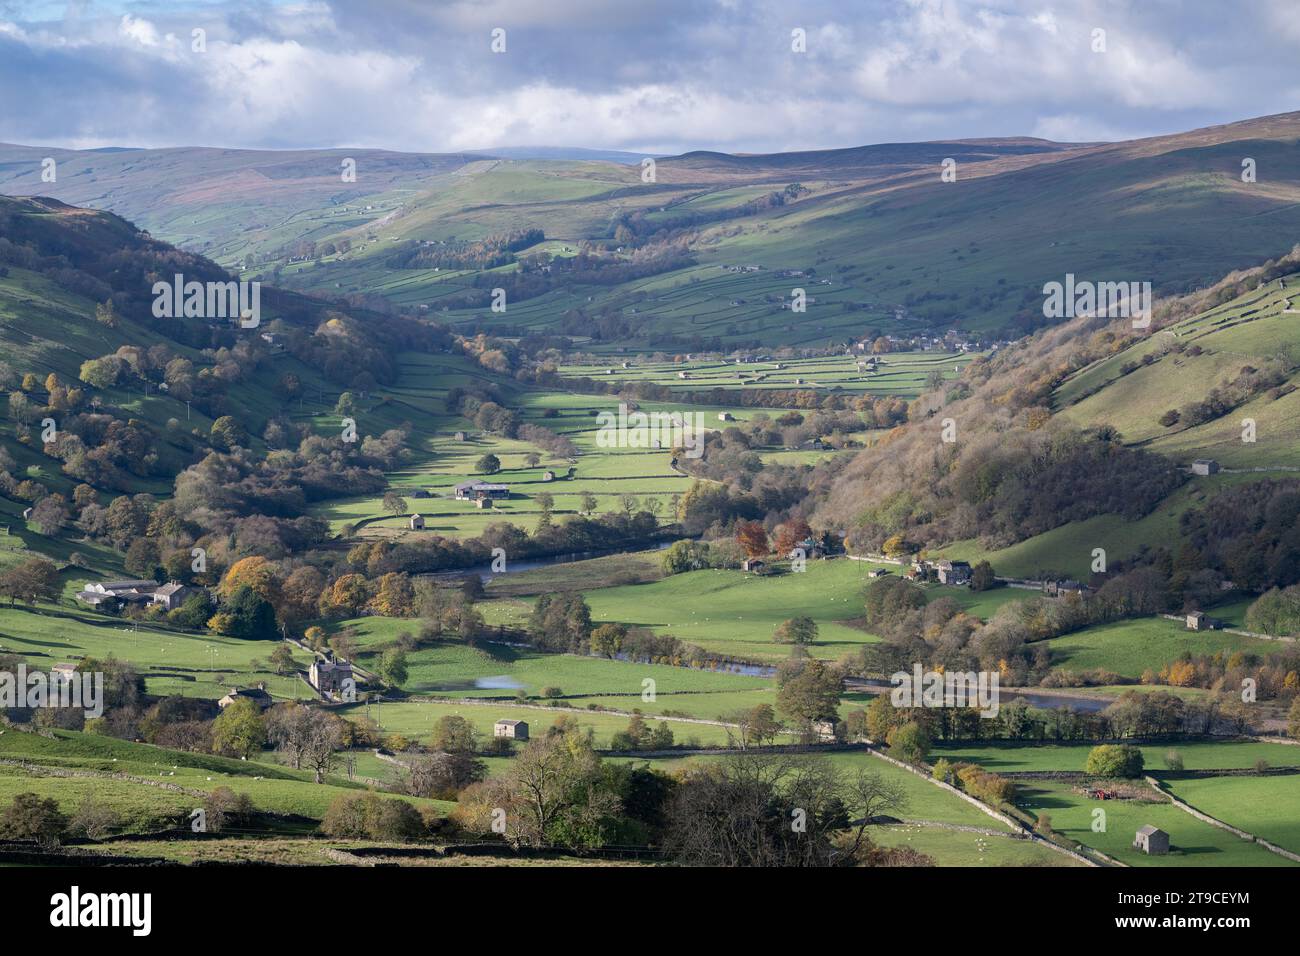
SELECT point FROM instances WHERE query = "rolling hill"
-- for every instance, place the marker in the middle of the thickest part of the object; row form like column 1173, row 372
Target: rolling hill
column 880, row 241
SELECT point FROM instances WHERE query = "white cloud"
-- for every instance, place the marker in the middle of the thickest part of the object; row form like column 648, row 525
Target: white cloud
column 663, row 76
column 141, row 31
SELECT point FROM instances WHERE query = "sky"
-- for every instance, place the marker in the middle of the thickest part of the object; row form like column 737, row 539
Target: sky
column 649, row 76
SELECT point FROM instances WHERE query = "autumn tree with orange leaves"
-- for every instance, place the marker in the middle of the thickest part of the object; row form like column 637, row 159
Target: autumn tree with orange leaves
column 752, row 537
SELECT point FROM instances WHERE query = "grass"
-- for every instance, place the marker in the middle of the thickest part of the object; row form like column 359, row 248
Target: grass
column 735, row 613
column 415, row 720
column 438, row 461
column 925, row 800
column 1130, row 647
column 172, row 662
column 1197, row 755
column 312, row 852
column 901, row 374
column 143, row 807
column 1268, row 807
column 1195, row 843
column 962, row 848
column 497, row 671
column 1250, row 330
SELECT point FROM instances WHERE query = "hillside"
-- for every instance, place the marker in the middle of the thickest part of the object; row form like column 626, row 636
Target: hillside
column 704, row 254
column 206, row 199
column 135, row 400
column 1082, row 437
column 1236, row 361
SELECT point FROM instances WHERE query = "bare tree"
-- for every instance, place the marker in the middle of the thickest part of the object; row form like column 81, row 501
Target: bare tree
column 309, row 736
column 776, row 810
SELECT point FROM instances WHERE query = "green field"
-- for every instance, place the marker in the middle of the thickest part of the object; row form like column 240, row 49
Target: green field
column 171, row 661
column 1193, row 843
column 1197, row 755
column 963, row 848
column 925, row 800
column 1268, row 807
column 499, row 672
column 1252, row 330
column 1132, row 646
column 901, row 374
column 735, row 613
column 143, row 807
column 415, row 719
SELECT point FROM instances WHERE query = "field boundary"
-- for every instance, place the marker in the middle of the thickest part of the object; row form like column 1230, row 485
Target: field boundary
column 1214, row 821
column 496, row 702
column 1015, row 825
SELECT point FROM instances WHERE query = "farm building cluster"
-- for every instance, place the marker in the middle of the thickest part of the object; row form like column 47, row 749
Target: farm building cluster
column 111, row 595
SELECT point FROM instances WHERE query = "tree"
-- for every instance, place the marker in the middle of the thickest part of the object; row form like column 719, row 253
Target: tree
column 35, row 579
column 100, row 372
column 92, row 819
column 125, row 521
column 223, row 806
column 325, row 737
column 194, row 612
column 982, row 577
column 738, row 811
column 254, row 572
column 346, row 597
column 588, row 503
column 546, row 502
column 287, row 730
column 607, row 640
column 558, row 793
column 50, row 514
column 1114, row 760
column 282, row 660
column 753, row 726
column 560, row 622
column 392, row 667
column 790, row 534
column 227, row 433
column 443, row 775
column 1293, row 720
column 454, row 734
column 249, row 616
column 31, row 817
column 105, row 314
column 142, row 557
column 752, row 537
column 368, row 815
column 1276, row 612
column 299, row 595
column 809, row 691
column 20, row 407
column 238, row 730
column 394, row 595
column 797, row 630
column 394, row 503
column 682, row 556
column 909, row 742
column 489, row 464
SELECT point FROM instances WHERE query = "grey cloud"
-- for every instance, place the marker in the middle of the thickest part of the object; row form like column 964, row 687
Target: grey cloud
column 664, row 76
